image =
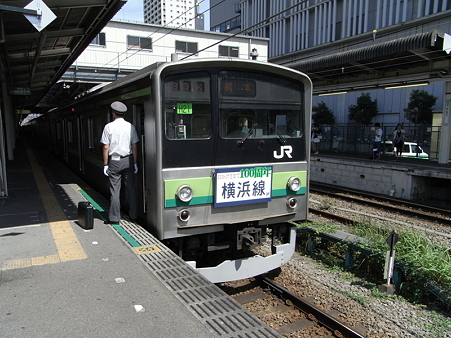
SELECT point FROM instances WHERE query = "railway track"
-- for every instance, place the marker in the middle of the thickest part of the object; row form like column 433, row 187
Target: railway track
column 432, row 222
column 285, row 312
column 421, row 211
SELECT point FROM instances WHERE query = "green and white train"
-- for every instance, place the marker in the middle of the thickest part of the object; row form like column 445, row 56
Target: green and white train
column 224, row 156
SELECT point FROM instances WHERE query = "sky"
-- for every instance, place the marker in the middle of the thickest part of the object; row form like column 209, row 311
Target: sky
column 133, row 11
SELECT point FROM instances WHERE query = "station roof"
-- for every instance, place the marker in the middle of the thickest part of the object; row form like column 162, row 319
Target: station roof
column 419, row 58
column 33, row 58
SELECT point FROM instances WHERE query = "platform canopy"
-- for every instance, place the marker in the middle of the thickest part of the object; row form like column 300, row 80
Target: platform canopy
column 406, row 61
column 35, row 53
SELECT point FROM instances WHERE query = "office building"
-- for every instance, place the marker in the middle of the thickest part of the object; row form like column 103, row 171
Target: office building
column 315, row 36
column 172, row 13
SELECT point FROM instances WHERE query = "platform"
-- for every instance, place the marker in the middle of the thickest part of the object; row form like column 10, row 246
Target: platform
column 59, row 280
column 407, row 178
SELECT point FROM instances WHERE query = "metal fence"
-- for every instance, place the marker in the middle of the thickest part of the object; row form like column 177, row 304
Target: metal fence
column 359, row 139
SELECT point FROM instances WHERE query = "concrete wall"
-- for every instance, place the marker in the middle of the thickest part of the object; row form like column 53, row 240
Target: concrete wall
column 395, row 180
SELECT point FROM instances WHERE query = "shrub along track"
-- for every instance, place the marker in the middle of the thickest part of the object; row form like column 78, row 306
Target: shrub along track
column 357, row 207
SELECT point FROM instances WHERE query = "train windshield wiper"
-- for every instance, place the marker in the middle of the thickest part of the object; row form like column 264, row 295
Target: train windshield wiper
column 249, row 133
column 282, row 140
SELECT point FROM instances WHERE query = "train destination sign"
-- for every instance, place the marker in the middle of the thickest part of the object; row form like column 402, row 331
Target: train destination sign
column 243, row 185
column 238, row 87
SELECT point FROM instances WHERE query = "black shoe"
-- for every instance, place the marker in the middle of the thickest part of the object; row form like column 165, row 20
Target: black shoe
column 110, row 222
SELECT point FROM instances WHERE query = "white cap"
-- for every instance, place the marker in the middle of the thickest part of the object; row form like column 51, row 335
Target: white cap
column 119, row 107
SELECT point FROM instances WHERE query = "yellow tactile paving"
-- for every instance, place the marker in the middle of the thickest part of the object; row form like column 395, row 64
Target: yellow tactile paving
column 45, row 260
column 66, row 242
column 17, row 263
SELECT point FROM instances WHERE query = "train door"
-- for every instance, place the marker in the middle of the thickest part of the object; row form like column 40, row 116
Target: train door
column 53, row 137
column 138, row 122
column 80, row 144
column 61, row 145
column 65, row 136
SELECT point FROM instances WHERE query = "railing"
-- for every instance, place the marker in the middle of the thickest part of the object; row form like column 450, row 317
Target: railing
column 359, row 139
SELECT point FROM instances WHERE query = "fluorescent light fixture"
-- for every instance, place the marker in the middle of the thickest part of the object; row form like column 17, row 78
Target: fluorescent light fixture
column 334, row 93
column 408, row 85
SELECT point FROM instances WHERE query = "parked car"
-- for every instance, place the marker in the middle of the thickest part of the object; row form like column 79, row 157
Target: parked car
column 410, row 149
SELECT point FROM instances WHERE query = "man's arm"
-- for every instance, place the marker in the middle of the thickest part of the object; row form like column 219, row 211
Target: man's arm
column 105, row 149
column 135, row 152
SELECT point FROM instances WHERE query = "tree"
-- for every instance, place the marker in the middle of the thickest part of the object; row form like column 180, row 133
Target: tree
column 323, row 114
column 364, row 111
column 419, row 108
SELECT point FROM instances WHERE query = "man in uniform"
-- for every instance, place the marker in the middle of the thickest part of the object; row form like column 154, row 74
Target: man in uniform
column 120, row 155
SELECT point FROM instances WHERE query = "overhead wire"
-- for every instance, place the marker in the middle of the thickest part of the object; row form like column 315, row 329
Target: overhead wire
column 263, row 23
column 253, row 27
column 164, row 35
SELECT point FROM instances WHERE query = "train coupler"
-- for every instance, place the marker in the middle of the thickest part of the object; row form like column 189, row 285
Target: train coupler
column 248, row 238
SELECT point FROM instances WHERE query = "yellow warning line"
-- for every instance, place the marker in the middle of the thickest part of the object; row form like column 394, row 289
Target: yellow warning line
column 66, row 242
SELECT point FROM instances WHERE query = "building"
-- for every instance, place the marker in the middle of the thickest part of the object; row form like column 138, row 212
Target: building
column 199, row 21
column 172, row 13
column 123, row 47
column 225, row 16
column 315, row 32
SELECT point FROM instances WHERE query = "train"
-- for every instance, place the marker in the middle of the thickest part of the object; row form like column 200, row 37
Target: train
column 223, row 157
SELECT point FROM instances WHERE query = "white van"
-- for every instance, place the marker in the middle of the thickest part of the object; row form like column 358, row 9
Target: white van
column 409, row 149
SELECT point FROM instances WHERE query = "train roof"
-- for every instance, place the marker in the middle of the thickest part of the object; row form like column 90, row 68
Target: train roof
column 179, row 65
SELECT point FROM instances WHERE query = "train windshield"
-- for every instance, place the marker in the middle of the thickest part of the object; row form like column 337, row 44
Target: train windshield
column 187, row 106
column 255, row 105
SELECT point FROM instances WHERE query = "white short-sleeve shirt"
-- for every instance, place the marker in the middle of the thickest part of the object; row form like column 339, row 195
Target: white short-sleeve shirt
column 119, row 135
column 378, row 137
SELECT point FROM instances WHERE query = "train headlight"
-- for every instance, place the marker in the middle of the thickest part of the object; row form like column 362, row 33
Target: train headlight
column 184, row 215
column 294, row 184
column 185, row 193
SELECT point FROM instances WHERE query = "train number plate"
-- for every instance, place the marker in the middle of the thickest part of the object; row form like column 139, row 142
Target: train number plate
column 244, row 185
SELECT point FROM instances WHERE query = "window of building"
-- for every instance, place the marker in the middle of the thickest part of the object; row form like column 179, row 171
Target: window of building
column 186, row 47
column 228, row 51
column 99, row 40
column 228, row 25
column 139, row 42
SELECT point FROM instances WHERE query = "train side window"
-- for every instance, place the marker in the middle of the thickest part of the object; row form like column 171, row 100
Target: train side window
column 187, row 106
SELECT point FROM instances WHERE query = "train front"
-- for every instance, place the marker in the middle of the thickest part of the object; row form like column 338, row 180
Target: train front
column 230, row 163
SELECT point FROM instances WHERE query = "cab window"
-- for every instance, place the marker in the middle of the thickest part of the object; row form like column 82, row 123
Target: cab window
column 187, row 106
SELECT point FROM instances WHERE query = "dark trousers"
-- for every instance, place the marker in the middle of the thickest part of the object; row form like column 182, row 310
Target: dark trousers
column 117, row 170
column 376, row 149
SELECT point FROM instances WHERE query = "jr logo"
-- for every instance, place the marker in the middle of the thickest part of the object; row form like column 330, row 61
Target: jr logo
column 283, row 150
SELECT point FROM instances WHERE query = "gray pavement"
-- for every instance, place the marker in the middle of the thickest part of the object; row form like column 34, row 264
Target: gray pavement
column 104, row 290
column 92, row 297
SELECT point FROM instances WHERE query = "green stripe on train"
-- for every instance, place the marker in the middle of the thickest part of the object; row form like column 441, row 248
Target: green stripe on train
column 203, row 188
